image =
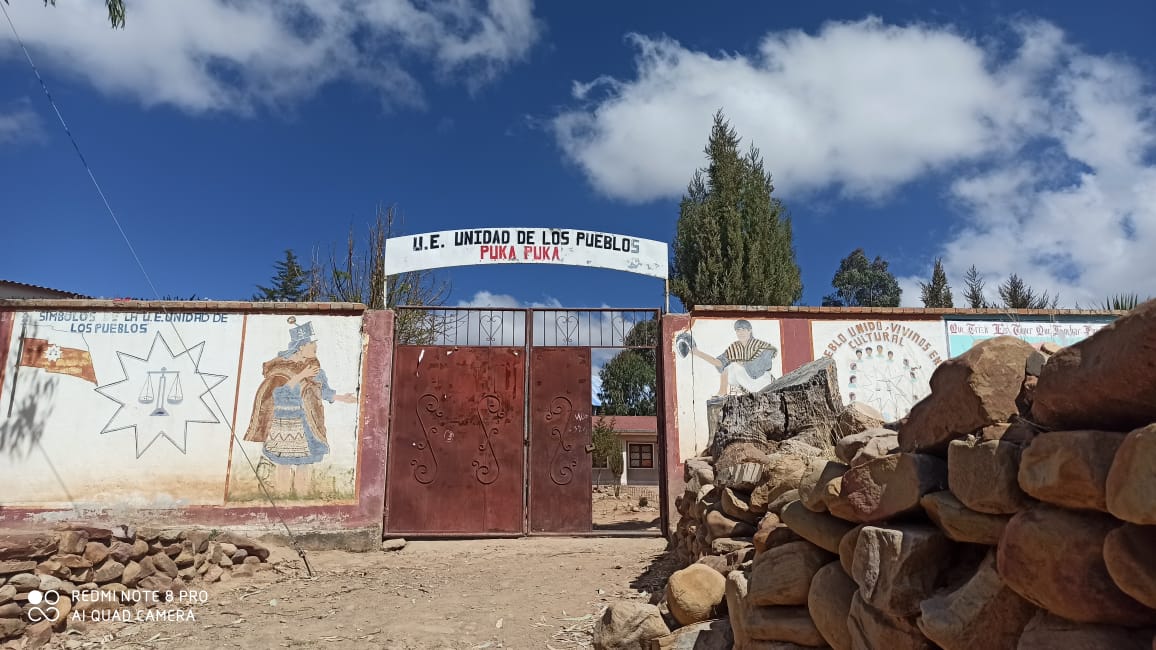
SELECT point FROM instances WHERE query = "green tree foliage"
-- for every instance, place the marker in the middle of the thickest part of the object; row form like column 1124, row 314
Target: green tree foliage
column 356, row 274
column 863, row 283
column 1016, row 294
column 974, row 295
column 608, row 447
column 116, row 12
column 629, row 379
column 733, row 243
column 291, row 283
column 937, row 293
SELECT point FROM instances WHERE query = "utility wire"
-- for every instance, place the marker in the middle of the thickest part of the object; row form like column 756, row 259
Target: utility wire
column 87, row 168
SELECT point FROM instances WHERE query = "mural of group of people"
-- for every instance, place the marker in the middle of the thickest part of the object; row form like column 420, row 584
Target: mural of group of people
column 200, row 409
column 890, row 384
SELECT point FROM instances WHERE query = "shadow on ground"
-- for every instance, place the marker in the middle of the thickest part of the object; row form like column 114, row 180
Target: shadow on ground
column 654, row 578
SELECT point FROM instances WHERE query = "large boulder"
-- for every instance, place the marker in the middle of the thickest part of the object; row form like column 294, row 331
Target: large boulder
column 871, row 629
column 1131, row 485
column 1055, row 558
column 856, row 418
column 782, row 575
column 780, row 475
column 848, row 448
column 1130, row 555
column 898, row 567
column 1050, row 632
column 1106, row 381
column 960, row 523
column 628, row 625
column 821, row 484
column 737, row 505
column 1070, row 468
column 976, row 389
column 804, row 402
column 888, row 486
column 694, row 593
column 829, row 603
column 720, row 525
column 984, row 476
column 707, row 635
column 982, row 613
column 819, row 528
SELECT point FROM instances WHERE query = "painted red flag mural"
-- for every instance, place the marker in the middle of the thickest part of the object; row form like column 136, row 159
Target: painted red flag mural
column 52, row 357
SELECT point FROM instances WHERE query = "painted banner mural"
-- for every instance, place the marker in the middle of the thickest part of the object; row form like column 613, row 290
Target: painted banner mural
column 139, row 409
column 963, row 334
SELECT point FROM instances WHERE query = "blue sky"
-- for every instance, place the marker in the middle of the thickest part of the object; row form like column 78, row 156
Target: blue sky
column 1016, row 136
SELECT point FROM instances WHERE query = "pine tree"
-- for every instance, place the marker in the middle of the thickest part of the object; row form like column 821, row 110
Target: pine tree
column 974, row 296
column 860, row 283
column 1016, row 294
column 290, row 284
column 937, row 293
column 733, row 243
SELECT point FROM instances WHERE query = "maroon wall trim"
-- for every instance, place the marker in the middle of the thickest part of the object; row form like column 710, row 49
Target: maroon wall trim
column 672, row 468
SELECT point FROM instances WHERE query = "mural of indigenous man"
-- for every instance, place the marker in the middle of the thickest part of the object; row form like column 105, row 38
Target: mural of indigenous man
column 745, row 366
column 288, row 418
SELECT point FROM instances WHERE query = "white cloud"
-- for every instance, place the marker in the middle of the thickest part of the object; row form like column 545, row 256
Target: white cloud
column 1051, row 146
column 506, row 301
column 19, row 124
column 219, row 55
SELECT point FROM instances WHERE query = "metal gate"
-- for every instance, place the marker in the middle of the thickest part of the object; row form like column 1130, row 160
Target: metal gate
column 492, row 418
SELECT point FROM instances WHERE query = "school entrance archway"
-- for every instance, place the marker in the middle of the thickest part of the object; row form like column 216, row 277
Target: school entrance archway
column 491, row 420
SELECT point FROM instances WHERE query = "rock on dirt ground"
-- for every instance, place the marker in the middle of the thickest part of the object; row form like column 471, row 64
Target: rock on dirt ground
column 477, row 594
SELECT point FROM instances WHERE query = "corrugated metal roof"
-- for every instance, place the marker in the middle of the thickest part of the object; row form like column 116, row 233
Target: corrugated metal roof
column 59, row 292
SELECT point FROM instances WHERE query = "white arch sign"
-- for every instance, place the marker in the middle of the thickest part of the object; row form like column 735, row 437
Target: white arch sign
column 574, row 247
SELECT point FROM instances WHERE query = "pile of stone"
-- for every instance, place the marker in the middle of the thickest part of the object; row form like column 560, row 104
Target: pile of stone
column 1013, row 508
column 85, row 561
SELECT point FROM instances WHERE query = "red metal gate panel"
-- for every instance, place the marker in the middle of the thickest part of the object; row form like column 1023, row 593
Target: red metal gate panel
column 560, row 410
column 456, row 445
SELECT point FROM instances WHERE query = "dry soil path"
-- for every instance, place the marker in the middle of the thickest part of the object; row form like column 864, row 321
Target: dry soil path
column 518, row 593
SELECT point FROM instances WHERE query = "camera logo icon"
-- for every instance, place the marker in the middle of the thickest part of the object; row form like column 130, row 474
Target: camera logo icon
column 43, row 606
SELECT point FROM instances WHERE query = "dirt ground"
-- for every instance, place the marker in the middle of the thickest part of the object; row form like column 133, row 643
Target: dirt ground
column 635, row 508
column 477, row 594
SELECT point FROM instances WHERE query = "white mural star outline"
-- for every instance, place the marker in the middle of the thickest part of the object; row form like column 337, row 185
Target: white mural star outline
column 131, row 366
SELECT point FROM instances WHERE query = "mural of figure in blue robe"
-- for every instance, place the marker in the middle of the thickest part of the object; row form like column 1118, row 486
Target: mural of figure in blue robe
column 746, row 364
column 288, row 416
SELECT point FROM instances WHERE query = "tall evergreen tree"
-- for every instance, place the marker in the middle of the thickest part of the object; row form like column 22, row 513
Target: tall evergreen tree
column 733, row 244
column 1016, row 294
column 629, row 379
column 863, row 283
column 937, row 293
column 290, row 284
column 974, row 296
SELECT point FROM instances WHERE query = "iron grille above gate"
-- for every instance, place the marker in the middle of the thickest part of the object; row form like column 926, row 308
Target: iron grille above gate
column 489, row 327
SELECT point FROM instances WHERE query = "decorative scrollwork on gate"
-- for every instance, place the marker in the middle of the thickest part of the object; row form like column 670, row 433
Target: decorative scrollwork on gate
column 428, row 408
column 491, row 414
column 558, row 418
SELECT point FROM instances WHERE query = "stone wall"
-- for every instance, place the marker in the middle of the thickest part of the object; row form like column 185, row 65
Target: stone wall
column 1013, row 508
column 53, row 581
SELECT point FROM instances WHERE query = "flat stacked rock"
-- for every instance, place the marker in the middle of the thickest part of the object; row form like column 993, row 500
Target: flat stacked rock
column 89, row 560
